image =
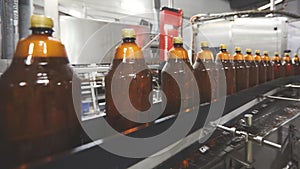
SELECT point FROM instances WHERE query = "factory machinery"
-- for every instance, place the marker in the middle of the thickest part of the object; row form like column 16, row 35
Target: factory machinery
column 258, row 128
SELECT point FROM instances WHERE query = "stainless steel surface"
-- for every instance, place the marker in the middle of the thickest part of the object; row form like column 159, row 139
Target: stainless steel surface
column 200, row 135
column 90, row 41
column 294, row 36
column 9, row 27
column 257, row 33
column 292, row 86
column 283, row 98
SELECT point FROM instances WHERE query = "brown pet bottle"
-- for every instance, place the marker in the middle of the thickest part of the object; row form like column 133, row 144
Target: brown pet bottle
column 279, row 70
column 177, row 76
column 38, row 117
column 253, row 68
column 262, row 67
column 226, row 67
column 242, row 70
column 287, row 64
column 269, row 66
column 128, row 84
column 296, row 64
column 206, row 74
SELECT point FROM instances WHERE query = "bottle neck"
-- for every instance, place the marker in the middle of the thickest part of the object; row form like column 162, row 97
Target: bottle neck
column 178, row 45
column 129, row 40
column 223, row 50
column 42, row 31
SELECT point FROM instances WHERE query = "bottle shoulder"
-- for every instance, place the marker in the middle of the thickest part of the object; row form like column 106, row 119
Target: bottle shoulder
column 128, row 51
column 40, row 46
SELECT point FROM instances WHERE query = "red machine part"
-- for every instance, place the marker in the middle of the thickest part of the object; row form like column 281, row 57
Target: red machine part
column 170, row 26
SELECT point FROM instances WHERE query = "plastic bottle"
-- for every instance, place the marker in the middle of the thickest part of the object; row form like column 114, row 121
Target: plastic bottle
column 206, row 74
column 287, row 64
column 270, row 72
column 242, row 70
column 262, row 67
column 128, row 70
column 277, row 66
column 177, row 72
column 38, row 117
column 296, row 64
column 253, row 68
column 223, row 58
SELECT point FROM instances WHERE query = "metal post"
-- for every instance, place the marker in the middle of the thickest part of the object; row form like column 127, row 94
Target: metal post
column 249, row 148
column 157, row 5
column 272, row 5
column 25, row 10
column 9, row 27
column 171, row 4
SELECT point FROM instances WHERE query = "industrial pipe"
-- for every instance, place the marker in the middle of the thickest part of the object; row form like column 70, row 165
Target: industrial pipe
column 25, row 12
column 9, row 25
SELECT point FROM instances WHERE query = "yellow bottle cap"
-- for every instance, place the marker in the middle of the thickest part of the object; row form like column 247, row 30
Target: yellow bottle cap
column 177, row 40
column 204, row 44
column 286, row 54
column 266, row 53
column 276, row 53
column 295, row 55
column 128, row 33
column 223, row 46
column 238, row 49
column 248, row 50
column 41, row 21
column 257, row 51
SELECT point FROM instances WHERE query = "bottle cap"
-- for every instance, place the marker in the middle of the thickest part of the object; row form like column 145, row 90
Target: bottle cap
column 238, row 49
column 128, row 33
column 276, row 53
column 177, row 40
column 286, row 54
column 295, row 55
column 266, row 53
column 257, row 51
column 204, row 44
column 248, row 50
column 41, row 21
column 223, row 46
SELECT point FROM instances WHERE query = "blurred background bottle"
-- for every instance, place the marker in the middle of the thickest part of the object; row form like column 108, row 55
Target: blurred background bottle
column 242, row 70
column 287, row 64
column 262, row 68
column 253, row 68
column 206, row 74
column 277, row 66
column 296, row 64
column 226, row 67
column 270, row 72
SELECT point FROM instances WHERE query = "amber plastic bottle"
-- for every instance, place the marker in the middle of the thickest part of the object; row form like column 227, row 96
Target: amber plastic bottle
column 262, row 67
column 270, row 72
column 206, row 74
column 296, row 64
column 38, row 117
column 226, row 67
column 242, row 70
column 253, row 68
column 277, row 66
column 128, row 69
column 177, row 72
column 287, row 64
